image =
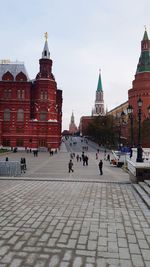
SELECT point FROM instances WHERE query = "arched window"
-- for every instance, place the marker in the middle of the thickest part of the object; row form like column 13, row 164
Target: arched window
column 6, row 114
column 20, row 115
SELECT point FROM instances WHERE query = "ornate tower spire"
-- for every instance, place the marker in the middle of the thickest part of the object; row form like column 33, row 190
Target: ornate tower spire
column 72, row 126
column 46, row 53
column 45, row 62
column 72, row 118
column 99, row 102
column 99, row 85
column 144, row 60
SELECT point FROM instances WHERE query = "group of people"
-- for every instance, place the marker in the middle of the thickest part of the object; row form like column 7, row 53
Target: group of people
column 84, row 158
column 35, row 152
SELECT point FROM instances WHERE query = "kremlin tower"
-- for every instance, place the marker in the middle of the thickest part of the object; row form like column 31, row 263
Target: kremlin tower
column 72, row 127
column 99, row 101
column 141, row 91
column 141, row 83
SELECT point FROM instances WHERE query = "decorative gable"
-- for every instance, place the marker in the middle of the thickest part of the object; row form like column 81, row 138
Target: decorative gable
column 7, row 76
column 21, row 77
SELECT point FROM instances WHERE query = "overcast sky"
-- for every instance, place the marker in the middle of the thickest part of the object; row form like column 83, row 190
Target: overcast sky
column 84, row 36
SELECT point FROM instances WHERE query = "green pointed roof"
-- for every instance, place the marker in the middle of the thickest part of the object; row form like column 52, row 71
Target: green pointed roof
column 99, row 85
column 145, row 37
column 144, row 60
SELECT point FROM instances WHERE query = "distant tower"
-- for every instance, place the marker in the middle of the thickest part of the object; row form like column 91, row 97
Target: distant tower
column 141, row 89
column 141, row 83
column 72, row 126
column 99, row 101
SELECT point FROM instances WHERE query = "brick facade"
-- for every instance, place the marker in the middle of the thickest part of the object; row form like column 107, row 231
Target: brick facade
column 30, row 110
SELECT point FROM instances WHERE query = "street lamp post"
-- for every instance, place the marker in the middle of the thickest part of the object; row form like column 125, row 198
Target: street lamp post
column 121, row 121
column 139, row 148
column 130, row 113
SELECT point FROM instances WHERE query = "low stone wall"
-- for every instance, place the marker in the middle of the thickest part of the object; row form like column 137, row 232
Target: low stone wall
column 138, row 172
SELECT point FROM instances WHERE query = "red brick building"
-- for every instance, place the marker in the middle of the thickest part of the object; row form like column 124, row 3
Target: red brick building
column 84, row 123
column 30, row 110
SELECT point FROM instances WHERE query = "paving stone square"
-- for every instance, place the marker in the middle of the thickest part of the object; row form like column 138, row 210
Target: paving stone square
column 77, row 220
column 52, row 238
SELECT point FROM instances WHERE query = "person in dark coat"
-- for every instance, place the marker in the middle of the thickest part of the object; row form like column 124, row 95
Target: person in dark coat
column 24, row 161
column 86, row 160
column 22, row 165
column 131, row 152
column 101, row 167
column 70, row 165
column 108, row 157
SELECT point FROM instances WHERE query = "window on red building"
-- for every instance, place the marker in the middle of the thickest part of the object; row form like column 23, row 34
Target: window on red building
column 7, row 93
column 6, row 114
column 20, row 115
column 41, row 95
column 20, row 94
column 45, row 95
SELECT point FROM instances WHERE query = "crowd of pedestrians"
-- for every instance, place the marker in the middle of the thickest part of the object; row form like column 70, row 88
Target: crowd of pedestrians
column 84, row 159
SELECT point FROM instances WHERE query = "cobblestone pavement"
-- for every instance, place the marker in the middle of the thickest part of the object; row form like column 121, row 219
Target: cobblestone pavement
column 56, row 167
column 72, row 224
column 77, row 220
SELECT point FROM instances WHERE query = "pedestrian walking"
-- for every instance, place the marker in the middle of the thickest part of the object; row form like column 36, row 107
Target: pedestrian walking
column 77, row 157
column 24, row 161
column 101, row 167
column 86, row 160
column 22, row 166
column 108, row 157
column 131, row 152
column 70, row 165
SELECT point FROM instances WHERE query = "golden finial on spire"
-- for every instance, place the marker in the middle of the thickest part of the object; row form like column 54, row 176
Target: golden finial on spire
column 46, row 36
column 145, row 27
